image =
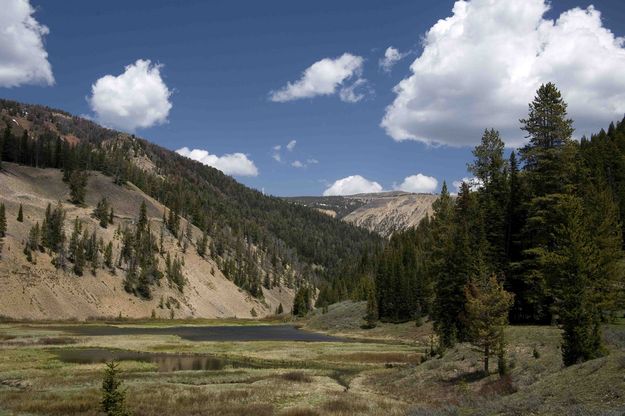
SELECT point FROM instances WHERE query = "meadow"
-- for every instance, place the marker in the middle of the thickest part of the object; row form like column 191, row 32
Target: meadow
column 382, row 371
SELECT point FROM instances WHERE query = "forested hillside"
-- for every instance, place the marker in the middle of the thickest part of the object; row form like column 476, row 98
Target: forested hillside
column 256, row 240
column 109, row 256
column 539, row 241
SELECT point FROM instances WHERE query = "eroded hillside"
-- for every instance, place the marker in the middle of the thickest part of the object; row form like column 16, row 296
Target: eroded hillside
column 41, row 291
column 383, row 213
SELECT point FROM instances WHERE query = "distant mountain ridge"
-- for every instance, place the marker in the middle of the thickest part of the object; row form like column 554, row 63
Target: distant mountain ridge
column 383, row 213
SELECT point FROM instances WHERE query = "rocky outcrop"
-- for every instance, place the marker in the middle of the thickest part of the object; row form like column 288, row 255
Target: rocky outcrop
column 388, row 212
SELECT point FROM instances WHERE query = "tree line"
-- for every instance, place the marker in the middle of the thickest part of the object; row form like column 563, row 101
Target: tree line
column 535, row 238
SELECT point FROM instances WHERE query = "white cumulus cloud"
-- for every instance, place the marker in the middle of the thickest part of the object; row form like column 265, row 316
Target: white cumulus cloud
column 391, row 57
column 236, row 164
column 351, row 185
column 418, row 183
column 323, row 77
column 23, row 57
column 354, row 92
column 481, row 66
column 276, row 153
column 473, row 182
column 291, row 145
column 299, row 164
column 137, row 98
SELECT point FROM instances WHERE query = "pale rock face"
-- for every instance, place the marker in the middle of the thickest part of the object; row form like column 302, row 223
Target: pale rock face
column 383, row 213
column 388, row 212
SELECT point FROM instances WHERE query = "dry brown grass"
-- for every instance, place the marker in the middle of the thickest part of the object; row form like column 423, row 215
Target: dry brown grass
column 375, row 357
column 175, row 400
column 299, row 411
column 499, row 387
column 346, row 407
column 297, row 376
column 83, row 402
column 57, row 341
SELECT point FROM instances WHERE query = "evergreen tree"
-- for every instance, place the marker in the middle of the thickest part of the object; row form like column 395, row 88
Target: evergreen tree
column 94, row 253
column 442, row 246
column 2, row 140
column 549, row 166
column 79, row 258
column 60, row 260
column 280, row 309
column 301, row 302
column 267, row 281
column 575, row 276
column 32, row 244
column 490, row 168
column 108, row 255
column 52, row 229
column 75, row 239
column 78, row 186
column 20, row 214
column 174, row 272
column 202, row 244
column 602, row 219
column 371, row 317
column 3, row 227
column 487, row 305
column 113, row 397
column 173, row 222
column 3, row 221
column 515, row 220
column 463, row 258
column 142, row 222
column 101, row 212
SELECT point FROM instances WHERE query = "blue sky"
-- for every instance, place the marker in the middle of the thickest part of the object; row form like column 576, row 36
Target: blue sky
column 221, row 60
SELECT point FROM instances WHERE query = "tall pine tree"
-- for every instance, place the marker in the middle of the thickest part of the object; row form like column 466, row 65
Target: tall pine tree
column 548, row 166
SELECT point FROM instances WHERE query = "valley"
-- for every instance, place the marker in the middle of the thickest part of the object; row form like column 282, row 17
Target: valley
column 53, row 370
column 136, row 281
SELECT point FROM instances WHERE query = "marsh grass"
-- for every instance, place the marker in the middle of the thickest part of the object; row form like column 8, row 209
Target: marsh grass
column 292, row 379
column 345, row 407
column 300, row 411
column 375, row 357
column 297, row 377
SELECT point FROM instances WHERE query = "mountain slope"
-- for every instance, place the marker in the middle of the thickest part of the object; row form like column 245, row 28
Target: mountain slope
column 383, row 213
column 258, row 243
column 40, row 291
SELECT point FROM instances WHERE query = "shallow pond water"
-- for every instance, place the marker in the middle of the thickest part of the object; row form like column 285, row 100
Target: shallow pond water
column 208, row 333
column 164, row 362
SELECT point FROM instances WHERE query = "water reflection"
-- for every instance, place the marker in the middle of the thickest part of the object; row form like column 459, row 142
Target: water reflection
column 208, row 333
column 164, row 362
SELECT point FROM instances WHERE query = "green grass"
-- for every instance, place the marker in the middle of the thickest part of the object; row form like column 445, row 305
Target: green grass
column 382, row 373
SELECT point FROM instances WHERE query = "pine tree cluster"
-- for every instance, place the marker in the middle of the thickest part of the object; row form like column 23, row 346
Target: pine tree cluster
column 543, row 235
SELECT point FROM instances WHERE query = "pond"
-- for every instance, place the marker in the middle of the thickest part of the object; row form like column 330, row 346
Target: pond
column 164, row 362
column 209, row 333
